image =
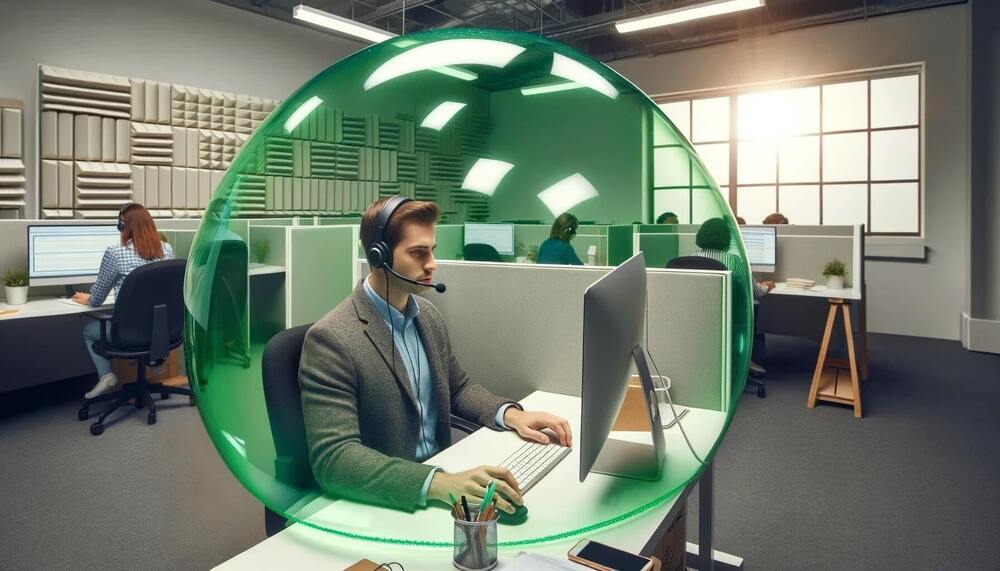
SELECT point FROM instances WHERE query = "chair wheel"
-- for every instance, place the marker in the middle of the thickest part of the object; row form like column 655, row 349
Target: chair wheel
column 191, row 400
column 96, row 429
column 151, row 418
column 83, row 413
column 761, row 393
column 164, row 396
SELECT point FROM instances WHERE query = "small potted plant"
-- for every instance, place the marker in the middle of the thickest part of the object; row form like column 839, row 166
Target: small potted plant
column 260, row 250
column 15, row 285
column 834, row 271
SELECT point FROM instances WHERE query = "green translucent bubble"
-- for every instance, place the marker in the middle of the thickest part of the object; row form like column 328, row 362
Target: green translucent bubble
column 491, row 125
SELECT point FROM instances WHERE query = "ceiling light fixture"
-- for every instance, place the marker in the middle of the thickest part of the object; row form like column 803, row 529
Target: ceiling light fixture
column 339, row 24
column 686, row 14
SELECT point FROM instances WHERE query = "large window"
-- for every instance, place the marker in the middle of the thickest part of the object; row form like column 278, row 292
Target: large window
column 842, row 150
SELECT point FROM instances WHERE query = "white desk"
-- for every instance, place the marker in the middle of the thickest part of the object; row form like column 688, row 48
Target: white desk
column 48, row 307
column 558, row 503
column 780, row 288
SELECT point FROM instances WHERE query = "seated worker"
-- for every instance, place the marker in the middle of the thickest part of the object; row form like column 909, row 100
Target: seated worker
column 379, row 380
column 714, row 239
column 775, row 218
column 667, row 218
column 556, row 249
column 140, row 245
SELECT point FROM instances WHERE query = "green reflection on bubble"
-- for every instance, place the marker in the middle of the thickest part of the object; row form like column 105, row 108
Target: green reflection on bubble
column 493, row 126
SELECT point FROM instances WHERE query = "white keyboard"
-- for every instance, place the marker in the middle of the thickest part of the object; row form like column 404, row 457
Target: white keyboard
column 110, row 300
column 532, row 461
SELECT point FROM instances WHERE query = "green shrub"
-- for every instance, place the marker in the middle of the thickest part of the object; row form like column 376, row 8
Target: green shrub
column 834, row 268
column 15, row 277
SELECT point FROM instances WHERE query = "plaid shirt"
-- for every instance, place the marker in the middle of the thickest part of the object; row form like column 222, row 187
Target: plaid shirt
column 738, row 267
column 117, row 262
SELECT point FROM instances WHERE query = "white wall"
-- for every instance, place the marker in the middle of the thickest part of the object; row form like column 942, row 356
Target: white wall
column 924, row 298
column 189, row 42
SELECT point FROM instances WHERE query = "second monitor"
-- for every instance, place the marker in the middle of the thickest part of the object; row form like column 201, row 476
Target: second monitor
column 500, row 236
column 761, row 244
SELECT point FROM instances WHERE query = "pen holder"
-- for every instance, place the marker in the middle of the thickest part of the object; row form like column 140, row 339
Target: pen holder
column 476, row 542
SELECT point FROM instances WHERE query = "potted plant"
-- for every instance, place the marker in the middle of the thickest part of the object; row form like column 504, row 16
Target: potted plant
column 834, row 271
column 260, row 250
column 15, row 284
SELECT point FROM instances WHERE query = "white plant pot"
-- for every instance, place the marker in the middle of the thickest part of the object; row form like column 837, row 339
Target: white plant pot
column 835, row 282
column 16, row 295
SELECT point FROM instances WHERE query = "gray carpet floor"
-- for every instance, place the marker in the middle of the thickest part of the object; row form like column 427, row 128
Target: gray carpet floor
column 913, row 485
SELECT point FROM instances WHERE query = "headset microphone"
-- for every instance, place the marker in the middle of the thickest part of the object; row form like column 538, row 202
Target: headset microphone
column 440, row 287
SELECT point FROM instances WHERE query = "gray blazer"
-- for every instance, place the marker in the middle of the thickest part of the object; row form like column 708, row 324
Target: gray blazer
column 361, row 420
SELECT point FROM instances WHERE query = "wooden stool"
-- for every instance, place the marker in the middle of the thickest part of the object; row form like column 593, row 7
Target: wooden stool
column 830, row 380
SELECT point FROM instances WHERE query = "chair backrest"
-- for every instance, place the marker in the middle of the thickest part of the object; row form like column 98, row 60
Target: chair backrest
column 283, row 399
column 150, row 285
column 695, row 263
column 481, row 253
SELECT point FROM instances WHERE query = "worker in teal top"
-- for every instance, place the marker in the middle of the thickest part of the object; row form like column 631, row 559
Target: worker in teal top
column 557, row 249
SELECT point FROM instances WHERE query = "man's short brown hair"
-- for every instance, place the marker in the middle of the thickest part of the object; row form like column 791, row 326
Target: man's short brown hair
column 420, row 211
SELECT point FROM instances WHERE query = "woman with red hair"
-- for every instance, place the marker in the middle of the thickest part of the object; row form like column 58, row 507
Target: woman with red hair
column 139, row 245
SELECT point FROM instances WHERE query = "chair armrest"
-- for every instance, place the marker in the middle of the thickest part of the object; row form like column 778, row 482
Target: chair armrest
column 103, row 317
column 463, row 425
column 100, row 315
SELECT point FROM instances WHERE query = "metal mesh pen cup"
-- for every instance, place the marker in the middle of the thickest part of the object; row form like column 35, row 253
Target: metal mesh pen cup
column 476, row 542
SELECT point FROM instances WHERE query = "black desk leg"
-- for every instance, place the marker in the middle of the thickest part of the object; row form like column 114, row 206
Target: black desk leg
column 706, row 559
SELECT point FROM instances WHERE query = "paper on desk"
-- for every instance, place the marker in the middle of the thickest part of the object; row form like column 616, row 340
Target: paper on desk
column 525, row 561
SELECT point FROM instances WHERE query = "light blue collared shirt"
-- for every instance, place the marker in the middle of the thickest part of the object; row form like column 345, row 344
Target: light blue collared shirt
column 414, row 356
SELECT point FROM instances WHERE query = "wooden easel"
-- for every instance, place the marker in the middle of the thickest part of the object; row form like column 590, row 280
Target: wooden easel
column 837, row 380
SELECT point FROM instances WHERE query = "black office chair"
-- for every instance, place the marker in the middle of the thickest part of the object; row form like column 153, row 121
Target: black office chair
column 480, row 253
column 754, row 383
column 148, row 321
column 283, row 398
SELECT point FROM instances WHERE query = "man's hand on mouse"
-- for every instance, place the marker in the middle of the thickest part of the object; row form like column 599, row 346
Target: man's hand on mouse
column 529, row 425
column 472, row 484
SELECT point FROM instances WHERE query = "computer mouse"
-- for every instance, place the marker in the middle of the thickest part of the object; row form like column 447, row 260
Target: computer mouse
column 519, row 516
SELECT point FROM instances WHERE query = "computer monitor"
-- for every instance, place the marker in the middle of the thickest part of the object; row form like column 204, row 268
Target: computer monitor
column 67, row 254
column 614, row 311
column 500, row 236
column 761, row 243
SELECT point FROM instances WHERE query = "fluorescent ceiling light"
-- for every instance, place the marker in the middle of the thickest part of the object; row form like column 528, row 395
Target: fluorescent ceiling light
column 567, row 193
column 550, row 88
column 686, row 14
column 339, row 24
column 437, row 55
column 301, row 113
column 575, row 71
column 457, row 72
column 441, row 114
column 485, row 175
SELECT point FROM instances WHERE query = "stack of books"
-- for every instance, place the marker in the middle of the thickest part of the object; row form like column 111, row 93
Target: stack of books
column 799, row 283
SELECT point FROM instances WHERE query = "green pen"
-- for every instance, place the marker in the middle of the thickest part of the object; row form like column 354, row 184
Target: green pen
column 490, row 490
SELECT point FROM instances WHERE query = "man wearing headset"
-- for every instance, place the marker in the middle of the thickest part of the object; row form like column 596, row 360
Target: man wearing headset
column 379, row 380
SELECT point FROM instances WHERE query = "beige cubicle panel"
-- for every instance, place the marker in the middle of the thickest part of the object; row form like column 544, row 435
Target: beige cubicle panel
column 517, row 328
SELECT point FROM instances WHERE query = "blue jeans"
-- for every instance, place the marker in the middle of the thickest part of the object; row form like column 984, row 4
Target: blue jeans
column 92, row 333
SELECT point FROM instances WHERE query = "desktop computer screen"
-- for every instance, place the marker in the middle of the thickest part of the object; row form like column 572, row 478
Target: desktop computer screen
column 67, row 254
column 614, row 311
column 500, row 236
column 761, row 243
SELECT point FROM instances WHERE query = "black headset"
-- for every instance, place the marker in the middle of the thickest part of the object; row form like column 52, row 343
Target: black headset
column 379, row 254
column 121, row 212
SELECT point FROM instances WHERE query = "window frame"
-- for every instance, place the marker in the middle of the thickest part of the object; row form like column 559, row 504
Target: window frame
column 868, row 75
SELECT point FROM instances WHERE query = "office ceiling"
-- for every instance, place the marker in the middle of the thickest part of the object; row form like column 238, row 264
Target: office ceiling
column 588, row 24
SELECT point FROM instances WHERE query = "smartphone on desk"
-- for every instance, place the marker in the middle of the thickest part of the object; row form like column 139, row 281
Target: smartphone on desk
column 607, row 558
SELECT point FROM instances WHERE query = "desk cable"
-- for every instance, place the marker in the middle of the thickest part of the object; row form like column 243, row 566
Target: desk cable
column 389, row 566
column 666, row 390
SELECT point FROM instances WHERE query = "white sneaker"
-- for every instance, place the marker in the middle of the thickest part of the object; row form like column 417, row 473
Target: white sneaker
column 107, row 384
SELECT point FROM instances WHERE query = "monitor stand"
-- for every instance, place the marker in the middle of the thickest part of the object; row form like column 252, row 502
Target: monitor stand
column 631, row 459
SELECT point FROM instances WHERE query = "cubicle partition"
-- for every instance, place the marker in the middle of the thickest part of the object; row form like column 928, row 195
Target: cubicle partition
column 517, row 328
